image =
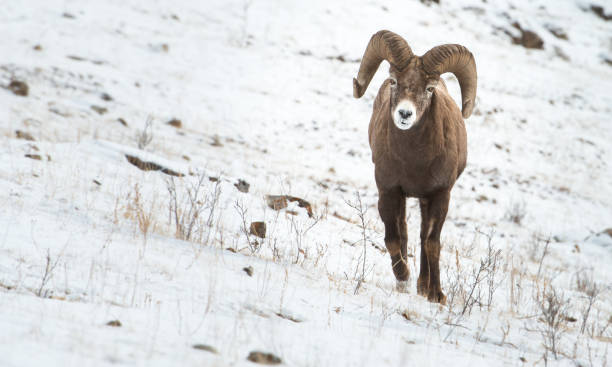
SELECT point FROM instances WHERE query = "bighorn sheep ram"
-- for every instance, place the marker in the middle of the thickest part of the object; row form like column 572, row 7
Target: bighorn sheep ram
column 419, row 144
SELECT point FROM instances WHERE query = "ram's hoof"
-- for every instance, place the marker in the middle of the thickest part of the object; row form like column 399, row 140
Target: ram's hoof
column 402, row 286
column 422, row 287
column 436, row 297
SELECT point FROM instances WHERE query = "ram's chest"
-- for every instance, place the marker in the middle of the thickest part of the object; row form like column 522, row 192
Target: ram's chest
column 416, row 178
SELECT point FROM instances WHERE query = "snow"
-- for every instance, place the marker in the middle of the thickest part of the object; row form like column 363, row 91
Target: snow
column 263, row 90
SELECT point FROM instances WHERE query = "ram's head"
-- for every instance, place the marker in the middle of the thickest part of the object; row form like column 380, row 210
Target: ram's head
column 413, row 79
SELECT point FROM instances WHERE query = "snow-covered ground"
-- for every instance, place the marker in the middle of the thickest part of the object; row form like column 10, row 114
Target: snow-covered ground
column 263, row 93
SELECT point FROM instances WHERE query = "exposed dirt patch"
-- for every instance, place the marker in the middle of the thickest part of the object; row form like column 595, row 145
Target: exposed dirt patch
column 242, row 186
column 248, row 270
column 175, row 123
column 557, row 32
column 258, row 229
column 151, row 166
column 278, row 202
column 100, row 110
column 600, row 12
column 264, row 358
column 23, row 135
column 19, row 88
column 288, row 317
column 205, row 347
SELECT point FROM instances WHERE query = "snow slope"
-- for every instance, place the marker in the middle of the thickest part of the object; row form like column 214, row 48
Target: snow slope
column 263, row 92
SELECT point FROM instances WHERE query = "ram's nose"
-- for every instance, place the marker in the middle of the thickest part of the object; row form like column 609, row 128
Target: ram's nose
column 405, row 113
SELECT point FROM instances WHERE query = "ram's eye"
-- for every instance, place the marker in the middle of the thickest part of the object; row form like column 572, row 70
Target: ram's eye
column 430, row 89
column 393, row 82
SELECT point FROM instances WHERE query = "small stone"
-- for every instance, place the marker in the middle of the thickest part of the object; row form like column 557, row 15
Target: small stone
column 242, row 186
column 19, row 88
column 276, row 202
column 97, row 182
column 99, row 110
column 23, row 135
column 205, row 347
column 248, row 270
column 114, row 323
column 122, row 121
column 557, row 32
column 106, row 97
column 258, row 229
column 37, row 48
column 34, row 156
column 151, row 166
column 175, row 123
column 530, row 39
column 570, row 319
column 264, row 358
column 600, row 11
column 216, row 142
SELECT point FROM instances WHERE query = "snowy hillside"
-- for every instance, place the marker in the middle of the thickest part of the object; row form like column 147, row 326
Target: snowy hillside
column 152, row 134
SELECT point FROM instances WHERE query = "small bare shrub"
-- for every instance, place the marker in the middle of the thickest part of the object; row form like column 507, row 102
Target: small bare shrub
column 144, row 137
column 516, row 212
column 192, row 211
column 591, row 290
column 473, row 291
column 300, row 229
column 244, row 228
column 505, row 329
column 553, row 314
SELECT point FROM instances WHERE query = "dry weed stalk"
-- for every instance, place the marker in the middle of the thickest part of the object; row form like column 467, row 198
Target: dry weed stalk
column 144, row 137
column 591, row 289
column 359, row 208
column 50, row 265
column 300, row 229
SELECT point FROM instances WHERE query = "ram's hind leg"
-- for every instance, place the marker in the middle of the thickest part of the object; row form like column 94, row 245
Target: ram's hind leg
column 392, row 209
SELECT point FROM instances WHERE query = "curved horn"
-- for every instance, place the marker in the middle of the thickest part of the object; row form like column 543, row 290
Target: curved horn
column 384, row 45
column 458, row 60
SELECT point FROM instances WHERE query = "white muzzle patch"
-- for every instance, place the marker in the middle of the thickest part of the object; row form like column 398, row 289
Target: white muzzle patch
column 404, row 115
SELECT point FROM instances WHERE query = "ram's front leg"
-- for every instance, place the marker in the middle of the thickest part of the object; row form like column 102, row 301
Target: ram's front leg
column 392, row 210
column 435, row 215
